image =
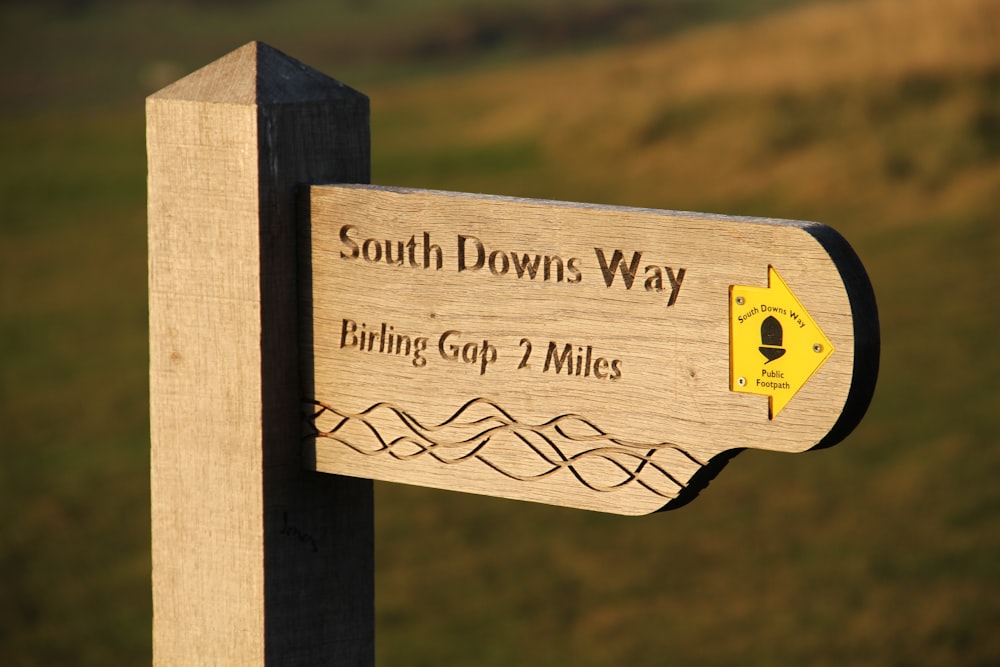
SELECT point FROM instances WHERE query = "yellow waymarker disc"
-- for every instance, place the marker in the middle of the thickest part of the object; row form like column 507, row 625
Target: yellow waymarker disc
column 775, row 346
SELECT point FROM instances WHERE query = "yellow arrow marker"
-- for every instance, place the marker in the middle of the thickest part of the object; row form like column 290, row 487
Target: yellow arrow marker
column 774, row 344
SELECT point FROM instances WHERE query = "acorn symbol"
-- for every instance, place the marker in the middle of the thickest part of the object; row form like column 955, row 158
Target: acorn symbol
column 770, row 339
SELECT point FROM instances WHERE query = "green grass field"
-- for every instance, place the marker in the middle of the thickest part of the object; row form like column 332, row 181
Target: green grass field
column 880, row 118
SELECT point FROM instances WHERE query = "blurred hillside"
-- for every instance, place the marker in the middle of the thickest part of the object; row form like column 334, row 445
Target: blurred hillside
column 102, row 53
column 880, row 118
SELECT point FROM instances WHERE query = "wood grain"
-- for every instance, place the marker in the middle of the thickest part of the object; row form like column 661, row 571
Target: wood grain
column 255, row 561
column 624, row 402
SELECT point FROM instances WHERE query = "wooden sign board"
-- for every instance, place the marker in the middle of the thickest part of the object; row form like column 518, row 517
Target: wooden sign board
column 588, row 356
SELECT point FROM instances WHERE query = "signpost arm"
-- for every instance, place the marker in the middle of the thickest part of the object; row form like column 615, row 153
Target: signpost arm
column 254, row 560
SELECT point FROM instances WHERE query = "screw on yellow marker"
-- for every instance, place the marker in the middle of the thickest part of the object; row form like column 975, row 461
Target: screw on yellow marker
column 775, row 346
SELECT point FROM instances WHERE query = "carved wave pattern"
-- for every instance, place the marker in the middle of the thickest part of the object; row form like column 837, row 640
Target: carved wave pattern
column 483, row 431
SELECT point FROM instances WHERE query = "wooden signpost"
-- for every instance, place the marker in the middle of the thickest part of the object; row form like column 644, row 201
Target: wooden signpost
column 596, row 357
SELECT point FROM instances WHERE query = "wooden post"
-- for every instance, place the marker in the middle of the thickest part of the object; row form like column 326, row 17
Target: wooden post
column 255, row 561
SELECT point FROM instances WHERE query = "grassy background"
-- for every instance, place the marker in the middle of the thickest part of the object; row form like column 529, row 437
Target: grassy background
column 878, row 117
